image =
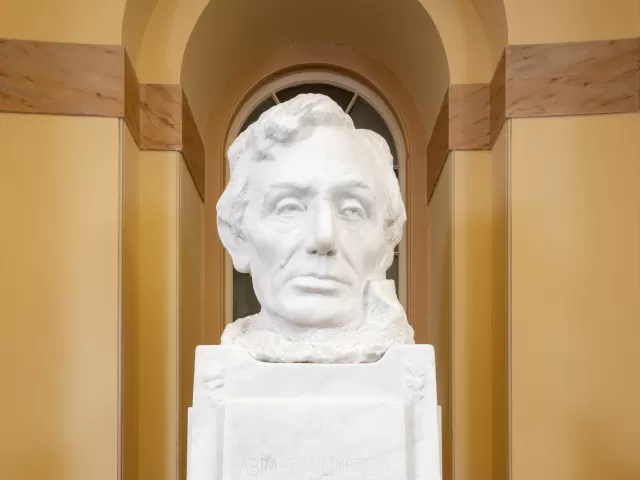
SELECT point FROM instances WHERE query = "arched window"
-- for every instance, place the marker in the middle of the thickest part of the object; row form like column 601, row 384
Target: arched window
column 367, row 111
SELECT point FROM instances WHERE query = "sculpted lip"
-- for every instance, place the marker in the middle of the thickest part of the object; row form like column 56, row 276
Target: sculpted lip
column 317, row 276
column 313, row 282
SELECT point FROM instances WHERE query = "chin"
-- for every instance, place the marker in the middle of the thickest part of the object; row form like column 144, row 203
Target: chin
column 318, row 312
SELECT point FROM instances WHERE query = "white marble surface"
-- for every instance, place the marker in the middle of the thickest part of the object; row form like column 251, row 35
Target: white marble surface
column 308, row 438
column 253, row 419
column 313, row 212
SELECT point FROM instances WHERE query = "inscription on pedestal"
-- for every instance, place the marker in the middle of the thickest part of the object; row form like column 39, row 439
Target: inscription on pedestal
column 332, row 467
column 305, row 439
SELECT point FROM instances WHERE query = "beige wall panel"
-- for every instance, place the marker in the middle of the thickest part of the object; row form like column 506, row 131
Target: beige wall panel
column 59, row 202
column 158, row 425
column 78, row 21
column 441, row 298
column 546, row 21
column 130, row 304
column 191, row 278
column 576, row 298
column 472, row 351
column 500, row 305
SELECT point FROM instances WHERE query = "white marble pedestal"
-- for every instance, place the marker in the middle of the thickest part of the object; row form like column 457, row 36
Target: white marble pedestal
column 255, row 420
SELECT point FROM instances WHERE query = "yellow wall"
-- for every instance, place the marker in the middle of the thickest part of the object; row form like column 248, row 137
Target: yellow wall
column 440, row 316
column 545, row 21
column 549, row 221
column 135, row 18
column 60, row 289
column 171, row 323
column 81, row 21
column 500, row 304
column 575, row 269
column 158, row 349
column 130, row 306
column 166, row 33
column 59, row 205
column 468, row 309
column 472, row 333
column 191, row 292
column 493, row 19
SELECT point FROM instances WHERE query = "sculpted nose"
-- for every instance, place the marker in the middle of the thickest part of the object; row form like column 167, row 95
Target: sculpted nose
column 322, row 235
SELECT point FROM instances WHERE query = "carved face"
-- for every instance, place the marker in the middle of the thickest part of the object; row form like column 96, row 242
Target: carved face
column 314, row 228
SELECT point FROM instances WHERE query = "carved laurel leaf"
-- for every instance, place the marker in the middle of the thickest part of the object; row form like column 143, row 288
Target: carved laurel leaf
column 415, row 372
column 212, row 379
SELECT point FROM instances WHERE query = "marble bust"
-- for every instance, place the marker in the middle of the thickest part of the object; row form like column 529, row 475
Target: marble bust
column 313, row 212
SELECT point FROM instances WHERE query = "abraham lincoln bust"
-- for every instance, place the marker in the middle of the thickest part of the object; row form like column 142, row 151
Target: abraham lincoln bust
column 313, row 212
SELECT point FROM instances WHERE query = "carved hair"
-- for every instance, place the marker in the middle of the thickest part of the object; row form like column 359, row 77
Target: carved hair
column 285, row 124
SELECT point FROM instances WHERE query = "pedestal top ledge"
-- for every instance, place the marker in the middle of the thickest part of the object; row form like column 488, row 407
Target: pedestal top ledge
column 224, row 373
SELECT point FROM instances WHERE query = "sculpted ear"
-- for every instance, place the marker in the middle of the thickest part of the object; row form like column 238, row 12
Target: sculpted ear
column 235, row 245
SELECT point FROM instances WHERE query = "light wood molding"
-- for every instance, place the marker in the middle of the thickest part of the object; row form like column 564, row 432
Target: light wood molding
column 160, row 117
column 99, row 80
column 469, row 116
column 131, row 99
column 556, row 79
column 572, row 78
column 497, row 100
column 438, row 148
column 193, row 147
column 61, row 78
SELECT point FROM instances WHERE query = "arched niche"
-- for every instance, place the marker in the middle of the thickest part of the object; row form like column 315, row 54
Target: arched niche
column 221, row 50
column 348, row 63
column 156, row 32
column 316, row 61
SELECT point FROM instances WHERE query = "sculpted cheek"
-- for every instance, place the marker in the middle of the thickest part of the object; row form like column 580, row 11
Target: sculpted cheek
column 275, row 240
column 364, row 245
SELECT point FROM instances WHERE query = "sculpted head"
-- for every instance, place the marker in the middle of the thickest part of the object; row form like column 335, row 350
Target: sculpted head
column 313, row 212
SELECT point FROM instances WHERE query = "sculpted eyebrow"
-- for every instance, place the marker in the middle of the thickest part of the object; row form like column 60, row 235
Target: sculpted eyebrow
column 355, row 184
column 291, row 186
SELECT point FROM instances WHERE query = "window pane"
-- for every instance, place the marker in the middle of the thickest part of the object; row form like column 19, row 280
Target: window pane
column 259, row 110
column 244, row 299
column 365, row 116
column 394, row 272
column 339, row 95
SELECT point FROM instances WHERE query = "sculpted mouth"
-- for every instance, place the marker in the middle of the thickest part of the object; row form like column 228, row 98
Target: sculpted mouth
column 331, row 278
column 319, row 283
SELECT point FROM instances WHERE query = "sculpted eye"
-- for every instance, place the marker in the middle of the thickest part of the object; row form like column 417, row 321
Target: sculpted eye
column 352, row 209
column 289, row 206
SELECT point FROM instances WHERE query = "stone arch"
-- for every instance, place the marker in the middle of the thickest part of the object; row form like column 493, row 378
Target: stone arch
column 473, row 33
column 399, row 34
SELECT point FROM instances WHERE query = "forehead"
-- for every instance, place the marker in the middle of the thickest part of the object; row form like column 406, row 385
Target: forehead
column 327, row 156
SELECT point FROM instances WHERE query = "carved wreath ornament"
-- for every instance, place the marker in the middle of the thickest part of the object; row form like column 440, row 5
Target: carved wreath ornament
column 415, row 373
column 213, row 380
